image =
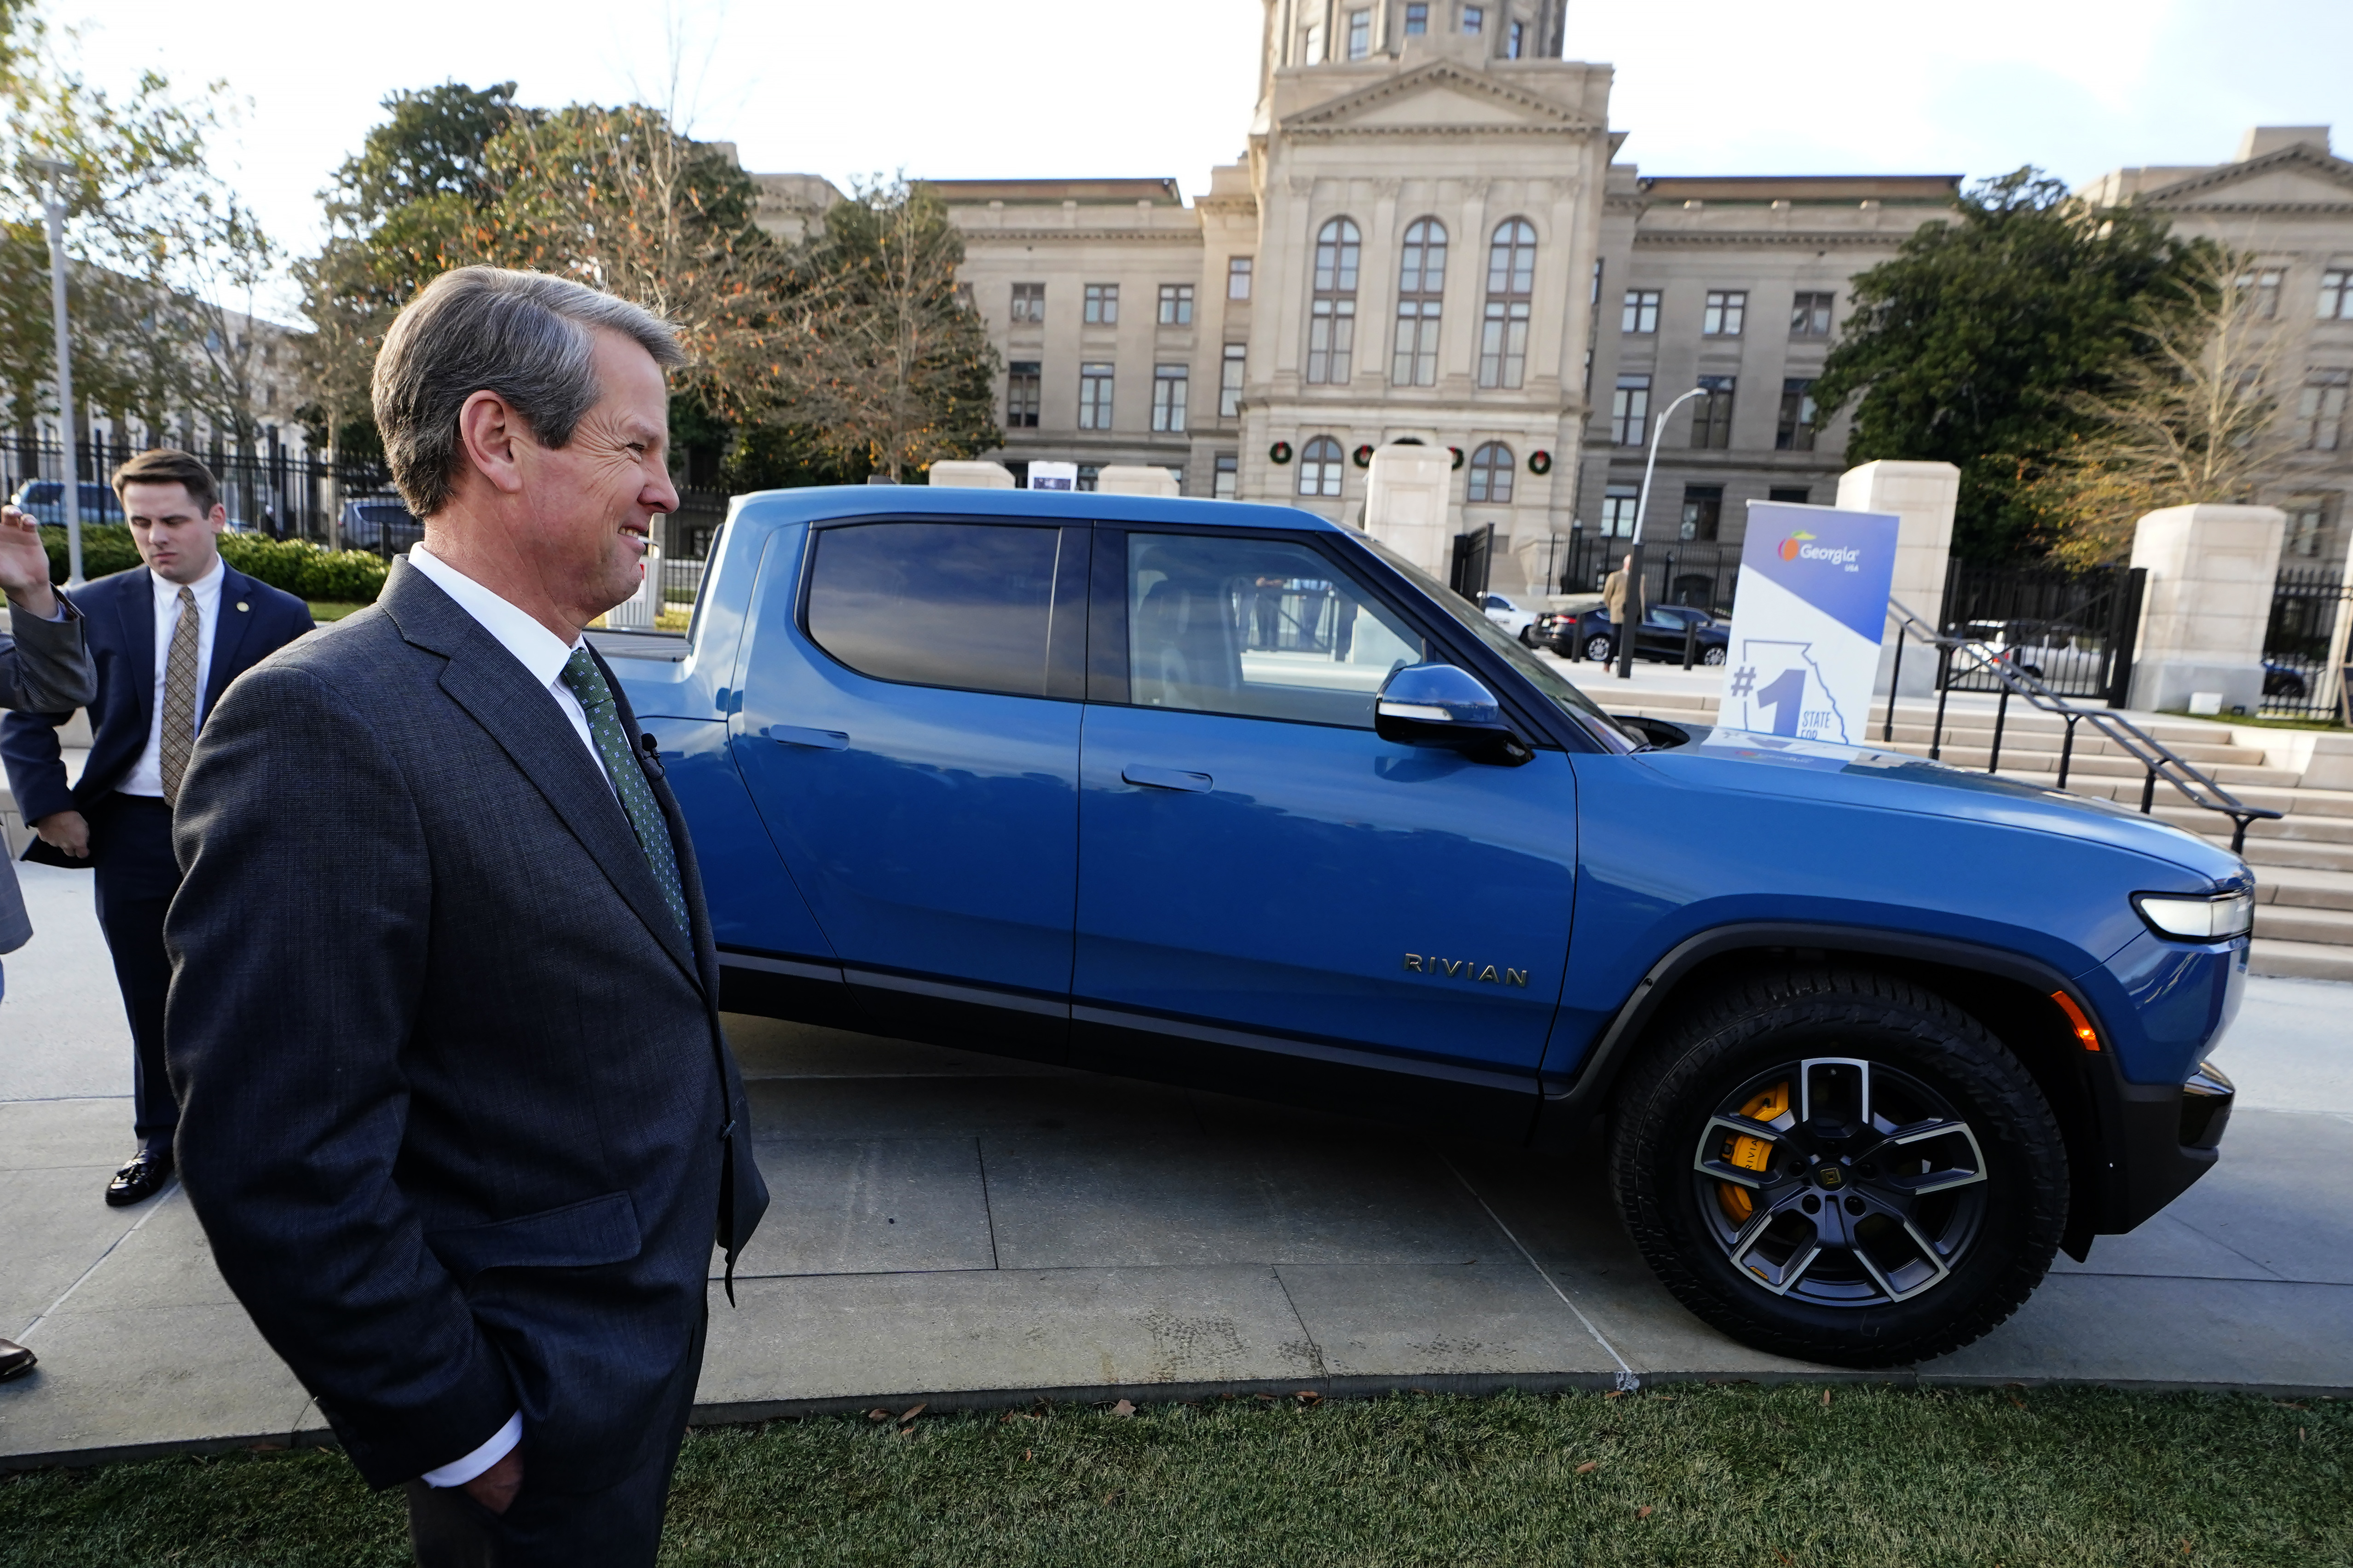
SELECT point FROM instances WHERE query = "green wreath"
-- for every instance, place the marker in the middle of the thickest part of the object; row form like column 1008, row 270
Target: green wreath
column 1458, row 456
column 1540, row 462
column 1363, row 456
column 1280, row 451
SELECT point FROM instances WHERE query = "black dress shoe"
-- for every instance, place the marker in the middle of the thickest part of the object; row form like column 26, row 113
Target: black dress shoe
column 140, row 1179
column 16, row 1361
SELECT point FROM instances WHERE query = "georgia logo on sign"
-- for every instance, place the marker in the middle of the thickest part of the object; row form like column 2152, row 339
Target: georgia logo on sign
column 1789, row 546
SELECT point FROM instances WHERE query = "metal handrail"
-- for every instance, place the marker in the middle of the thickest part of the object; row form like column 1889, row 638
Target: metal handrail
column 2153, row 755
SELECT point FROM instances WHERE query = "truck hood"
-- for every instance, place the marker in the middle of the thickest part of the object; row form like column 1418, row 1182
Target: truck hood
column 1892, row 781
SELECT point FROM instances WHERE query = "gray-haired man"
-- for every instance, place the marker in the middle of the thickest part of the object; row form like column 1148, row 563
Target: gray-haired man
column 456, row 1111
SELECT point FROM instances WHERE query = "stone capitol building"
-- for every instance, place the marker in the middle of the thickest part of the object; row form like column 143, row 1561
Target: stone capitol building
column 1429, row 239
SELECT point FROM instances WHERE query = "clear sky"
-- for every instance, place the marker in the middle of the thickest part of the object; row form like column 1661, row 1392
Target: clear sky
column 1048, row 87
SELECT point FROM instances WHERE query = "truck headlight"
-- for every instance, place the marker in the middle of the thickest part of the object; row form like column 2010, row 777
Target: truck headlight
column 2217, row 919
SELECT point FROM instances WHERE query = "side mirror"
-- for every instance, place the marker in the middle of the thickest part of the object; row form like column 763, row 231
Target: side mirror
column 1439, row 705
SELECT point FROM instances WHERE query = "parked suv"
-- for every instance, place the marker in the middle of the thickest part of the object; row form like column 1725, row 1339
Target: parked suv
column 45, row 501
column 378, row 523
column 1228, row 796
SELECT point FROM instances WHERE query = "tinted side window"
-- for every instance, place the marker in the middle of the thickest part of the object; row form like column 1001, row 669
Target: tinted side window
column 1255, row 628
column 941, row 603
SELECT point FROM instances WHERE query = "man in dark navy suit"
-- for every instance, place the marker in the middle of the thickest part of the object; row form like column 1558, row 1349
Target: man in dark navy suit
column 167, row 639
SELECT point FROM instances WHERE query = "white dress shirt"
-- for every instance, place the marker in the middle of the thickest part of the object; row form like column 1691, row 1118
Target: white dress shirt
column 543, row 654
column 146, row 775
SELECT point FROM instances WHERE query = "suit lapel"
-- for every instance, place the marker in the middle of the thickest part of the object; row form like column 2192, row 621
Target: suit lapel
column 136, row 606
column 690, row 872
column 228, row 636
column 523, row 716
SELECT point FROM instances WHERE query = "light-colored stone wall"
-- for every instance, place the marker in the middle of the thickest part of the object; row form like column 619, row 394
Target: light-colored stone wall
column 2211, row 570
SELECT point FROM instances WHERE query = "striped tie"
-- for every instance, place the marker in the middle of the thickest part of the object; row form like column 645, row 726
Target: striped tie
column 587, row 683
column 180, row 695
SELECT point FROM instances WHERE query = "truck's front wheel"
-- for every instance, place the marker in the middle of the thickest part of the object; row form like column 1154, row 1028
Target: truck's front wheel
column 1840, row 1166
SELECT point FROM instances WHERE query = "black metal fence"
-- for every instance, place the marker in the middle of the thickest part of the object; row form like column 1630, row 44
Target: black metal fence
column 1474, row 562
column 2074, row 631
column 272, row 490
column 2305, row 645
column 1704, row 576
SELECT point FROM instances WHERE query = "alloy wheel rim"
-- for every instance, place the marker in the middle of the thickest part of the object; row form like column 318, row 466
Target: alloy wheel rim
column 1841, row 1183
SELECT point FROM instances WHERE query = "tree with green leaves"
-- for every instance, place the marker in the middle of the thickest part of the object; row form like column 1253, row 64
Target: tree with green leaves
column 1977, row 343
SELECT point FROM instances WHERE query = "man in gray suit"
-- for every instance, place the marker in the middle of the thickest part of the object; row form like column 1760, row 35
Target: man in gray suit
column 456, row 1111
column 45, row 667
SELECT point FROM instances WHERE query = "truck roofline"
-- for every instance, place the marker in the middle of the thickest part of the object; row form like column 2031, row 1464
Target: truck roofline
column 824, row 502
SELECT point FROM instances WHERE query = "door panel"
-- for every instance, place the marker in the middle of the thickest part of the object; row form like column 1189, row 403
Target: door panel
column 932, row 829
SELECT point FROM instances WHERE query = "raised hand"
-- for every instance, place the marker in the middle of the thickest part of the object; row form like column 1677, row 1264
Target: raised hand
column 25, row 566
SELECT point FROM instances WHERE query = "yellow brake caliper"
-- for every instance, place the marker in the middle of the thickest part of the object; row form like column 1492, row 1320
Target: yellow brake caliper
column 1751, row 1153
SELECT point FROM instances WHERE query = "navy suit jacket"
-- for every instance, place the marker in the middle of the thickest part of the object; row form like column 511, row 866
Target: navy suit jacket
column 255, row 621
column 455, row 1107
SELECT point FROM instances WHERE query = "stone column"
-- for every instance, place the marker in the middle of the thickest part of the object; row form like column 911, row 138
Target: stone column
column 1405, row 505
column 1135, row 479
column 1923, row 495
column 2210, row 575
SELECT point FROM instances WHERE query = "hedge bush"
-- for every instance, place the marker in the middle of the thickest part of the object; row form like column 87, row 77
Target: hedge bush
column 296, row 565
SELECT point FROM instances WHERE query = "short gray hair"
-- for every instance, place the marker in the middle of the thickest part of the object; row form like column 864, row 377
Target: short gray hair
column 526, row 336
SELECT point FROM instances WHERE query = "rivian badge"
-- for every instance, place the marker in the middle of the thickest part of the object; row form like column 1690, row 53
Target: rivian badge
column 1465, row 969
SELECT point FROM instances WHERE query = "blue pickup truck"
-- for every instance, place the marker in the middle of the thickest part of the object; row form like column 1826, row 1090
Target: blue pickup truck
column 1228, row 796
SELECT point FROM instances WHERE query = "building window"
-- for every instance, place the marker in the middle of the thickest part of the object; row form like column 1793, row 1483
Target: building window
column 1332, row 315
column 2336, row 294
column 1360, row 34
column 1168, row 382
column 1810, row 315
column 1238, row 278
column 1021, row 395
column 1617, row 504
column 2320, row 411
column 1421, row 283
column 2262, row 285
column 1089, row 476
column 1795, row 433
column 1029, row 302
column 1315, row 43
column 1726, row 310
column 1711, row 414
column 1702, row 511
column 1094, row 397
column 1176, row 304
column 1417, row 20
column 1229, row 381
column 1103, row 304
column 1474, row 18
column 1797, row 495
column 1641, row 314
column 1491, row 475
column 2307, row 527
column 1515, row 41
column 1320, row 468
column 1225, row 476
column 1630, row 411
column 1511, row 284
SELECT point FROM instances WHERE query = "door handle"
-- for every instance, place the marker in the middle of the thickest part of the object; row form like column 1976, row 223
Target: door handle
column 794, row 735
column 1166, row 778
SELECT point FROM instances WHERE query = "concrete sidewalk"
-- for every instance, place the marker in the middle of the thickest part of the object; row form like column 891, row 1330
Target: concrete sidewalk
column 965, row 1230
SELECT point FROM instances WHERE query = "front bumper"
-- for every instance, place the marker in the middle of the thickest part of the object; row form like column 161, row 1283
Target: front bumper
column 2164, row 1137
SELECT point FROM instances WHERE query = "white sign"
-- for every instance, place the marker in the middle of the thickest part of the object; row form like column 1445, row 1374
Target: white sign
column 1812, row 608
column 1053, row 476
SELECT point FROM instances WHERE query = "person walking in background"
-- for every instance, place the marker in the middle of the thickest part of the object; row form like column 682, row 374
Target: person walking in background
column 43, row 666
column 167, row 639
column 456, row 1111
column 1613, row 591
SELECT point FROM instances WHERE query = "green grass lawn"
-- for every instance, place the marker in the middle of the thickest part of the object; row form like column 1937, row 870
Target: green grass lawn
column 1737, row 1475
column 325, row 610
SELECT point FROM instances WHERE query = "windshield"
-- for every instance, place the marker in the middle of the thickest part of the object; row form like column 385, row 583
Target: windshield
column 1539, row 674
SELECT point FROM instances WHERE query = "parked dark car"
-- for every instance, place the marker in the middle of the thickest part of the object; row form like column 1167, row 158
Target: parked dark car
column 45, row 501
column 2284, row 681
column 379, row 522
column 1661, row 637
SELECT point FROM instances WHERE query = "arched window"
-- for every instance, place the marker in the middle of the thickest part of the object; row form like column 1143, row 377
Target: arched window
column 1511, row 287
column 1491, row 475
column 1421, row 281
column 1332, row 318
column 1320, row 467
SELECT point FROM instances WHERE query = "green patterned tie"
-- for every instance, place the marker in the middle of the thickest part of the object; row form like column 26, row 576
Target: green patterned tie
column 587, row 683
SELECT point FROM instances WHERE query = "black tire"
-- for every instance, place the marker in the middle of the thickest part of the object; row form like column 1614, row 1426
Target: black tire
column 1528, row 635
column 1599, row 651
column 1935, row 1256
column 1712, row 657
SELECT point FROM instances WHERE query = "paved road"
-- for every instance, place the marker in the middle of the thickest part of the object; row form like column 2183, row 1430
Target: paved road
column 959, row 1229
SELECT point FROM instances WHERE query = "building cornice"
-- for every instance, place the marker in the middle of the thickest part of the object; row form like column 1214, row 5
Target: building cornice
column 1035, row 235
column 1656, row 238
column 1328, row 118
column 2308, row 159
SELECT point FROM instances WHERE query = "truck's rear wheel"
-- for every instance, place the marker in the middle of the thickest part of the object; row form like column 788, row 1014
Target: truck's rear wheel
column 1840, row 1166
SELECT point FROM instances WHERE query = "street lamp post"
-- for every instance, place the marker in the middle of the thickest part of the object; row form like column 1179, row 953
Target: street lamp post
column 54, row 206
column 1634, row 606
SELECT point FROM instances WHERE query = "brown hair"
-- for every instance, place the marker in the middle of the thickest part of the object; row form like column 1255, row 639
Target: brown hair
column 164, row 466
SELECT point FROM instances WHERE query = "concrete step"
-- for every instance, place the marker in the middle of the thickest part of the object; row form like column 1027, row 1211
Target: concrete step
column 1974, row 757
column 1979, row 737
column 2300, row 960
column 2301, row 853
column 2298, row 922
column 2303, row 887
column 2295, row 826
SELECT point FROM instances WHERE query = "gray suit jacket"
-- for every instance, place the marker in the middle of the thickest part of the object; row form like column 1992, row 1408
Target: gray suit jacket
column 456, row 1111
column 45, row 669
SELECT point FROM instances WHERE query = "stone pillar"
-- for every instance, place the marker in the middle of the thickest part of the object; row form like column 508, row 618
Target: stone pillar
column 1923, row 495
column 2210, row 575
column 1135, row 479
column 948, row 474
column 1405, row 505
